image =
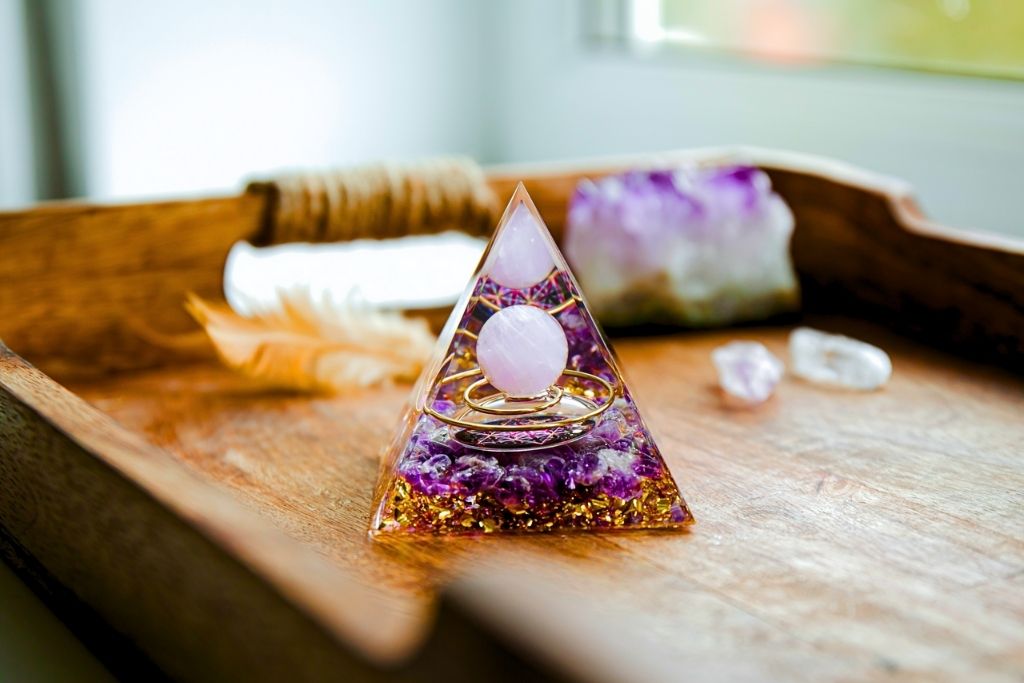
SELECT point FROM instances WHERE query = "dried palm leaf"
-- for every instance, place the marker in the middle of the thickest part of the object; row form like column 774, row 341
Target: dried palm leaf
column 316, row 344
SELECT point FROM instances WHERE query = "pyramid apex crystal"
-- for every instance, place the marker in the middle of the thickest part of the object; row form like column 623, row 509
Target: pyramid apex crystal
column 520, row 256
column 522, row 421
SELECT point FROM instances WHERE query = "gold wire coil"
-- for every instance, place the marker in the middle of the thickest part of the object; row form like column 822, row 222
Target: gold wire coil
column 552, row 396
column 598, row 408
column 558, row 308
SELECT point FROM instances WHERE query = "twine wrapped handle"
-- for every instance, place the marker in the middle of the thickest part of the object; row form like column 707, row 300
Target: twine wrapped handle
column 377, row 201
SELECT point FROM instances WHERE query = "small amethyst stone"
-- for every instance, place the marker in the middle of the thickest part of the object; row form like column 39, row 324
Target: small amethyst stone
column 429, row 476
column 647, row 466
column 524, row 487
column 444, row 407
column 620, row 484
column 747, row 371
column 474, row 473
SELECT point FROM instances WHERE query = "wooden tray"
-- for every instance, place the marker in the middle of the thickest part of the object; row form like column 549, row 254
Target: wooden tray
column 189, row 524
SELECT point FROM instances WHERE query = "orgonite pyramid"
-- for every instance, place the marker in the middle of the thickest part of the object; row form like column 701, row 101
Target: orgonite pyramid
column 522, row 421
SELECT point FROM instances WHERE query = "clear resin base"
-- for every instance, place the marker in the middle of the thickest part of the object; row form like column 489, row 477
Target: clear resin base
column 473, row 457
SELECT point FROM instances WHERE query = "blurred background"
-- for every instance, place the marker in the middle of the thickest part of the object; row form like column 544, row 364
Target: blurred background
column 121, row 100
column 113, row 99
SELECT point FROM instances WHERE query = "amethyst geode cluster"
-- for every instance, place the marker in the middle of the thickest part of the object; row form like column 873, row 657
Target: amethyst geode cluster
column 696, row 247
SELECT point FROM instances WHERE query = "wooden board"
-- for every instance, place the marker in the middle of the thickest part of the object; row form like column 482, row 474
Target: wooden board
column 140, row 555
column 841, row 535
column 221, row 530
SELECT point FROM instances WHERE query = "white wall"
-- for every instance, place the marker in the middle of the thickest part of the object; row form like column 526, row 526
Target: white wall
column 960, row 142
column 17, row 185
column 197, row 95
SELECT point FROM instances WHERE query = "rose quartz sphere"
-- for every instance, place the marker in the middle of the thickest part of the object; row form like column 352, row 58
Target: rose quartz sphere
column 522, row 350
column 520, row 256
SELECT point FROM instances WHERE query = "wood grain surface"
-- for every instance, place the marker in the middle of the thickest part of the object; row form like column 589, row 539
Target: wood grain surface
column 842, row 536
column 222, row 529
column 162, row 575
column 106, row 283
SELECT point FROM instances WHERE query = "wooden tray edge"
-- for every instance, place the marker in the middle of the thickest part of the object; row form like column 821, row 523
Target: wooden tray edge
column 59, row 520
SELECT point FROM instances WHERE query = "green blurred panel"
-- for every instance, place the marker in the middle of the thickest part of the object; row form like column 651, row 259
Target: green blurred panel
column 975, row 37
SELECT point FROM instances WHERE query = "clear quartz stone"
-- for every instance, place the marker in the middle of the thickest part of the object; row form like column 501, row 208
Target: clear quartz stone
column 836, row 360
column 747, row 371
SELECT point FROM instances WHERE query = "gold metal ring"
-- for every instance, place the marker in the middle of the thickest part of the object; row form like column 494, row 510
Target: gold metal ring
column 598, row 408
column 553, row 393
column 553, row 310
